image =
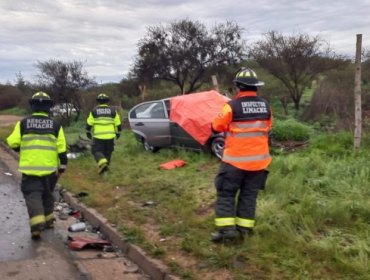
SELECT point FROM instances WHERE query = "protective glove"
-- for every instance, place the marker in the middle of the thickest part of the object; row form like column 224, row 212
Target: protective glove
column 60, row 172
column 88, row 135
column 118, row 135
column 270, row 138
column 214, row 131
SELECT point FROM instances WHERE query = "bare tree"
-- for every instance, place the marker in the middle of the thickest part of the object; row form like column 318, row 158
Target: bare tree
column 182, row 51
column 63, row 80
column 332, row 104
column 295, row 60
column 365, row 72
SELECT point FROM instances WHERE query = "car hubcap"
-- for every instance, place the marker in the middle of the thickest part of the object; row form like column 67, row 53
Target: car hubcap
column 147, row 146
column 218, row 149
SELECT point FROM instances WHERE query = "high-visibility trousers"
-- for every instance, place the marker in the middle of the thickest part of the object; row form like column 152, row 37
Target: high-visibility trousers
column 237, row 192
column 38, row 194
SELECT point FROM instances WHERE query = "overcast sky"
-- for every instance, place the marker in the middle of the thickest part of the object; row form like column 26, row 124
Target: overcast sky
column 103, row 34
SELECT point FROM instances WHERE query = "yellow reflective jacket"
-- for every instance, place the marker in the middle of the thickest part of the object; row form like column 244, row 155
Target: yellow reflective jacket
column 104, row 121
column 42, row 145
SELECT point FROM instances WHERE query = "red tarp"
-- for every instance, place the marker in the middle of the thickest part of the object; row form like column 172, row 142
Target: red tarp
column 172, row 164
column 195, row 112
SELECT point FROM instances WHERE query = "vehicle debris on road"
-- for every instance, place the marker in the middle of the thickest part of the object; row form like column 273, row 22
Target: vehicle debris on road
column 79, row 242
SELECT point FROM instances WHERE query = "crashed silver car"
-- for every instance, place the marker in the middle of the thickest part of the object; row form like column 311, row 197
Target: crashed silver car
column 181, row 121
column 63, row 109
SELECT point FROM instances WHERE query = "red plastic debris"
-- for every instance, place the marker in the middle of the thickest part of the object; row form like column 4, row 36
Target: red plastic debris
column 172, row 164
column 79, row 243
column 75, row 213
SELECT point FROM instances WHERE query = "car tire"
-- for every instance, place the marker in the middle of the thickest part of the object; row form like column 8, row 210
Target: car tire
column 217, row 146
column 149, row 147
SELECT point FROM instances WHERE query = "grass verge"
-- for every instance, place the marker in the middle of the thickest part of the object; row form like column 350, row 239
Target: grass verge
column 313, row 220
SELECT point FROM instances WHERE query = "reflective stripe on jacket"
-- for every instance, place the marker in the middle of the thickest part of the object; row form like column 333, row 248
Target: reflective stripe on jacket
column 41, row 141
column 105, row 122
column 246, row 120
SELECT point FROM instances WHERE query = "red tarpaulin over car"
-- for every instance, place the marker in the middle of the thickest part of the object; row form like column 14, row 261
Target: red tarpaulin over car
column 195, row 112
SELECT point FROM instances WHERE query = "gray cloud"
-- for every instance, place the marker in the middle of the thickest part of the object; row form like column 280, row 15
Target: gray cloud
column 104, row 34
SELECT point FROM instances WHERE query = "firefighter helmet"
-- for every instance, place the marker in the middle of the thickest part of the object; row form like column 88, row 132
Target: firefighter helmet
column 247, row 77
column 41, row 101
column 102, row 98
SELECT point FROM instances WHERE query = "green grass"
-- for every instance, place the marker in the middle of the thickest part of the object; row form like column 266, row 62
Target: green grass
column 14, row 111
column 291, row 130
column 313, row 219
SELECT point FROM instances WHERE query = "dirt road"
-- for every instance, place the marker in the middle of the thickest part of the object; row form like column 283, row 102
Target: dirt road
column 6, row 120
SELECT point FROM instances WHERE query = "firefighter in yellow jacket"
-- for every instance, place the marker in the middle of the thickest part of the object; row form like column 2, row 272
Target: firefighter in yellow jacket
column 42, row 158
column 103, row 125
column 246, row 120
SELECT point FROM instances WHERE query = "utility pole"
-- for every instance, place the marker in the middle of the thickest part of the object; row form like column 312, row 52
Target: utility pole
column 357, row 93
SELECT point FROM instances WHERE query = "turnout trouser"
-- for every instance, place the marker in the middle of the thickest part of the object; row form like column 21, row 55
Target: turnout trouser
column 102, row 150
column 38, row 194
column 237, row 192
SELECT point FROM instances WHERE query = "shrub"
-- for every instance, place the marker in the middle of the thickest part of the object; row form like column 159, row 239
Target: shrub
column 334, row 144
column 9, row 97
column 290, row 129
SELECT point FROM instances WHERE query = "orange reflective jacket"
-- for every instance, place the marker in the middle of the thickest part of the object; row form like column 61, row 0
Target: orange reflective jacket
column 246, row 120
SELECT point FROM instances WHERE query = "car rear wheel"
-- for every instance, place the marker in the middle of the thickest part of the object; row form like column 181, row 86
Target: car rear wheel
column 149, row 147
column 217, row 146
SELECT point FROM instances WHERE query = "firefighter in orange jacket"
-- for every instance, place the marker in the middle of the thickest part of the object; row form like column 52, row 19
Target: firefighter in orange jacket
column 246, row 120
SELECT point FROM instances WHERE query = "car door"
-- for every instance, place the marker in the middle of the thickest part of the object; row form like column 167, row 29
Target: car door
column 149, row 120
column 179, row 137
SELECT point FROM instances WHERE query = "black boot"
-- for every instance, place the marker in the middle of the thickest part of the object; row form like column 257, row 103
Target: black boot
column 244, row 232
column 103, row 168
column 224, row 235
column 36, row 235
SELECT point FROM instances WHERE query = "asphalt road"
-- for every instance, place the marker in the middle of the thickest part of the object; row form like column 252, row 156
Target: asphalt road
column 20, row 257
column 14, row 232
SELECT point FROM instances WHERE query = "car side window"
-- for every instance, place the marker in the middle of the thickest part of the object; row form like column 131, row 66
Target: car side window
column 158, row 111
column 154, row 110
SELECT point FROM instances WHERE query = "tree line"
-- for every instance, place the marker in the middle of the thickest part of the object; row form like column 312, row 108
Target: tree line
column 186, row 54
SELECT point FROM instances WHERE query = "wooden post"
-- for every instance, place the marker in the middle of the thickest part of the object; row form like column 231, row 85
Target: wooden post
column 142, row 89
column 357, row 93
column 215, row 83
